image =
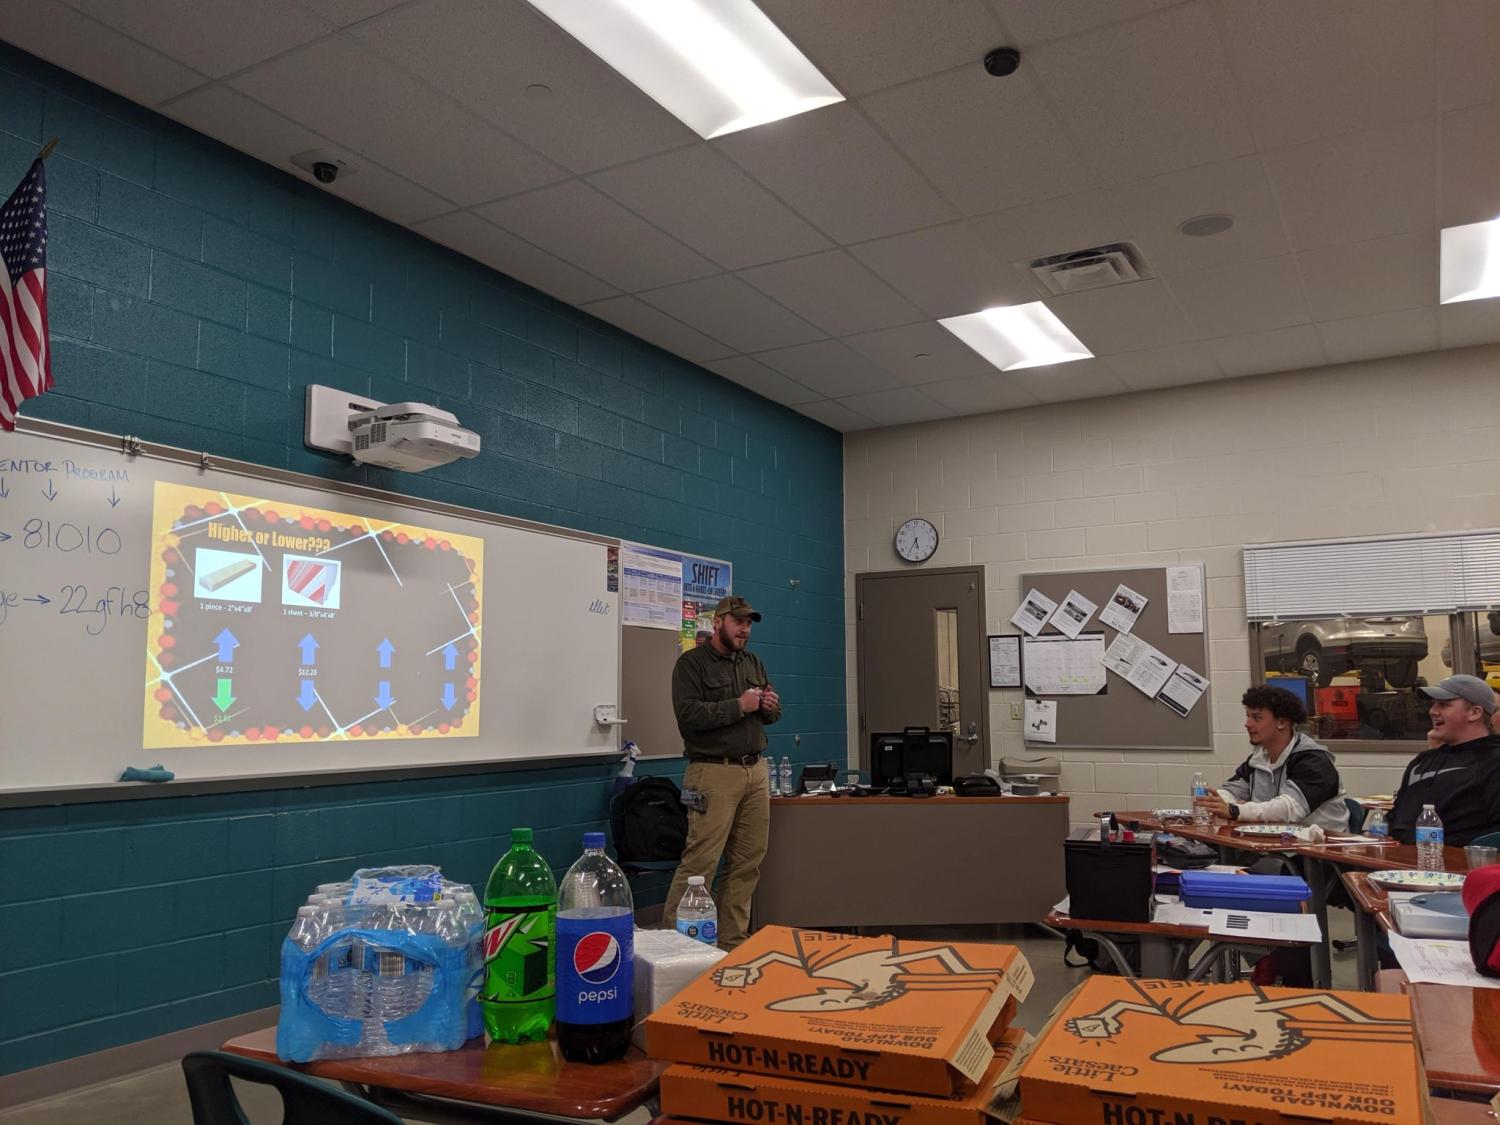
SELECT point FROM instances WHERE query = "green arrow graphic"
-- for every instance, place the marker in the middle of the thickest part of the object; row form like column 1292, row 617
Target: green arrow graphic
column 225, row 695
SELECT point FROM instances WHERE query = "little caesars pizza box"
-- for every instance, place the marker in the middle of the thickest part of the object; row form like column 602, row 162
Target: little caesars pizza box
column 875, row 1012
column 711, row 1094
column 1153, row 1052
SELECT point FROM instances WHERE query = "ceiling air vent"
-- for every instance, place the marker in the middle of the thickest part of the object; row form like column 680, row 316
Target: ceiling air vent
column 1116, row 263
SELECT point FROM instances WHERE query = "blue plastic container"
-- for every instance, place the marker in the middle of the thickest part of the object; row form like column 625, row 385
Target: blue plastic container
column 1279, row 894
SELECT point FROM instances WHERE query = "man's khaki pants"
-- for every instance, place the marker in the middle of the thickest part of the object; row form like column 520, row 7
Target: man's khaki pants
column 733, row 825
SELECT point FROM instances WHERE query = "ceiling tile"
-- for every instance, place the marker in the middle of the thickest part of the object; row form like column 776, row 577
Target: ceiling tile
column 1065, row 382
column 1382, row 275
column 1153, row 210
column 583, row 226
column 1469, row 166
column 656, row 327
column 1147, row 96
column 1173, row 366
column 897, row 407
column 980, row 394
column 839, row 174
column 1468, row 45
column 757, row 377
column 946, row 270
column 1370, row 337
column 921, row 353
column 864, row 45
column 1248, row 297
column 835, row 415
column 727, row 309
column 361, row 102
column 1031, row 22
column 1335, row 66
column 829, row 368
column 73, row 41
column 214, row 37
column 1053, row 226
column 834, row 292
column 342, row 13
column 704, row 200
column 488, row 53
column 1357, row 187
column 1468, row 323
column 985, row 145
column 487, row 243
column 250, row 127
column 1122, row 318
column 1281, row 349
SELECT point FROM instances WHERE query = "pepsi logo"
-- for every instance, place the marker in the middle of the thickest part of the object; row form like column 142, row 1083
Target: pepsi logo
column 596, row 957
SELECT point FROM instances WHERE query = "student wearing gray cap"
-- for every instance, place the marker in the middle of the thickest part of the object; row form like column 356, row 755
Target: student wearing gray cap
column 1460, row 775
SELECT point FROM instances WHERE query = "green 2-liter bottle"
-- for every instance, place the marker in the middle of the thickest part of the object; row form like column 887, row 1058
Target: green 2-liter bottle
column 520, row 932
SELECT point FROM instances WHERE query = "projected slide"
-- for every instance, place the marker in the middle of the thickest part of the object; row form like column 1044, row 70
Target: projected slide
column 282, row 622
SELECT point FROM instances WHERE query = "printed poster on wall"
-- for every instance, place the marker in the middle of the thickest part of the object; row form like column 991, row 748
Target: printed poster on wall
column 652, row 586
column 705, row 582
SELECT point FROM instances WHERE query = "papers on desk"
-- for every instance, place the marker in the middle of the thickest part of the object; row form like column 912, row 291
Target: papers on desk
column 1251, row 925
column 1429, row 961
column 1171, row 911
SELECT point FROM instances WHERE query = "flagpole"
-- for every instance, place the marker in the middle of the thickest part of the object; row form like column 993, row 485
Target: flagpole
column 47, row 149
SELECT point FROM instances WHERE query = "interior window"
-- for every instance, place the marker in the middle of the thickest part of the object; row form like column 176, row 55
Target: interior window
column 1358, row 675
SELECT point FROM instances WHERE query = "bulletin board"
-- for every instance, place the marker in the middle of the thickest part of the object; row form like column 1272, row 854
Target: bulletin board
column 1123, row 718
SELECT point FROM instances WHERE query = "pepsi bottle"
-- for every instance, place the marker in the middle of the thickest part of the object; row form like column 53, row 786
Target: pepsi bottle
column 595, row 958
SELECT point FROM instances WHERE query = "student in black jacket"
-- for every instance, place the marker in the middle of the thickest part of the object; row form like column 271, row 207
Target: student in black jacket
column 1460, row 776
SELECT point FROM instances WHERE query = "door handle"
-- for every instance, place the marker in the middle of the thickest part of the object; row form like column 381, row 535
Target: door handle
column 973, row 735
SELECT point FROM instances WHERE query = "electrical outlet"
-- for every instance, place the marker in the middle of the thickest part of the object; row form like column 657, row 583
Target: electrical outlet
column 1015, row 712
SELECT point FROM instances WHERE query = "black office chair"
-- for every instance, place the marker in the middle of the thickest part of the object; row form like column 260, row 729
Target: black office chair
column 305, row 1101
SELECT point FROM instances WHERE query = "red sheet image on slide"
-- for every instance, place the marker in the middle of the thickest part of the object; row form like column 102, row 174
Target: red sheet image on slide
column 313, row 580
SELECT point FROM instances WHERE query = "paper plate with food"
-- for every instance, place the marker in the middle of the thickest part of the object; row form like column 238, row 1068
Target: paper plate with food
column 1407, row 880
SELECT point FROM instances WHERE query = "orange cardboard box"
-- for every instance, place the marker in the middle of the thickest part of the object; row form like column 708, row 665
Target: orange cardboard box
column 1154, row 1052
column 712, row 1094
column 877, row 1012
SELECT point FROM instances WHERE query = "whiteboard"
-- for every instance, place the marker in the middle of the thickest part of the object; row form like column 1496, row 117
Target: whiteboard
column 229, row 621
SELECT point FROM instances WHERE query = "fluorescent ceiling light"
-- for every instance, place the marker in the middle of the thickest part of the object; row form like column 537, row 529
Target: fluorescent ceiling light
column 1470, row 263
column 718, row 65
column 1016, row 336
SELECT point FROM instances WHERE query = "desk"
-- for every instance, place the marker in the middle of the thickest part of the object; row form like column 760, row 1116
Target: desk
column 903, row 861
column 1371, row 915
column 518, row 1082
column 1459, row 1029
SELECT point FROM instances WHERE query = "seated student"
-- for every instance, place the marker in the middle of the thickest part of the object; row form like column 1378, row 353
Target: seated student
column 1289, row 779
column 1460, row 775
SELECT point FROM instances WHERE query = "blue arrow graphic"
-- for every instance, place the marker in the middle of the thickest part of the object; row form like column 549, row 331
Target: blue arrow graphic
column 113, row 499
column 448, row 696
column 383, row 696
column 385, row 648
column 227, row 643
column 308, row 695
column 450, row 654
column 309, row 649
column 50, row 493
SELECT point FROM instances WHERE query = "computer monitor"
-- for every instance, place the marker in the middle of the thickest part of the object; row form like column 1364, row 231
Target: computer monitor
column 916, row 751
column 1300, row 686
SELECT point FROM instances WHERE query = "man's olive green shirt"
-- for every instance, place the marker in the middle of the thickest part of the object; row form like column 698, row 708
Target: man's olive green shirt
column 706, row 690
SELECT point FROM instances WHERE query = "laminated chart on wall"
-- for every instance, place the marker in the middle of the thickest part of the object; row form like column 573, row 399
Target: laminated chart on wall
column 280, row 621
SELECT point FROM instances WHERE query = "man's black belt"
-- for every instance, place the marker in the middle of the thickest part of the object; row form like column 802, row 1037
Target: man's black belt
column 732, row 760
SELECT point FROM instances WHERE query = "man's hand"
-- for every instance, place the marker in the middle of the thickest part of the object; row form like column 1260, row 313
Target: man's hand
column 1215, row 804
column 769, row 700
column 751, row 700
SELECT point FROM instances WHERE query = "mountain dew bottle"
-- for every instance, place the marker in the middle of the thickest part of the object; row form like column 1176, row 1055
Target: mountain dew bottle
column 520, row 930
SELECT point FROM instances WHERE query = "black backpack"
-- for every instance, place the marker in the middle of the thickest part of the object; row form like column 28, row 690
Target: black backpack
column 648, row 821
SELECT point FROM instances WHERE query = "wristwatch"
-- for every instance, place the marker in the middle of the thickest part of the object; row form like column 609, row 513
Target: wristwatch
column 1234, row 812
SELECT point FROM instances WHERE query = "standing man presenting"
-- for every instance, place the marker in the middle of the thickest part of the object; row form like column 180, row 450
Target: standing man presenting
column 724, row 701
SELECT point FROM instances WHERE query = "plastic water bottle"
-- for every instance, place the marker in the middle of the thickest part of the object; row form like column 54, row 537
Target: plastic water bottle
column 472, row 918
column 1376, row 825
column 1429, row 840
column 786, row 776
column 520, row 920
column 697, row 916
column 1201, row 816
column 771, row 779
column 390, row 992
column 595, row 958
column 336, row 966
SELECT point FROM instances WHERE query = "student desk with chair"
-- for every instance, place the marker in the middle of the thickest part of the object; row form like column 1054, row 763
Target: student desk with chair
column 1459, row 1029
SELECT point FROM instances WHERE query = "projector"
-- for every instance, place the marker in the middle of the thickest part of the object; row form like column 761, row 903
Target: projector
column 411, row 436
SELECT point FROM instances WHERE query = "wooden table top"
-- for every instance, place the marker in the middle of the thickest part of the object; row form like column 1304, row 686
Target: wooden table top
column 528, row 1076
column 1220, row 834
column 1450, row 1111
column 1459, row 1029
column 1157, row 929
column 1369, row 898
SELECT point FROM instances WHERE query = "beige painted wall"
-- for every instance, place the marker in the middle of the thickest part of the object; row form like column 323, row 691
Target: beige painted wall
column 1398, row 445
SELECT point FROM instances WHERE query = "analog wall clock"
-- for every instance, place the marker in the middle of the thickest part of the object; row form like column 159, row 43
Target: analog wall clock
column 916, row 540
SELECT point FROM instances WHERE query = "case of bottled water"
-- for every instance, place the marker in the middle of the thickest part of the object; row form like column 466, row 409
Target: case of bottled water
column 386, row 963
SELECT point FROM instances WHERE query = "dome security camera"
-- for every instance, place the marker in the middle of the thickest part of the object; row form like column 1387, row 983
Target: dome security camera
column 1002, row 61
column 325, row 171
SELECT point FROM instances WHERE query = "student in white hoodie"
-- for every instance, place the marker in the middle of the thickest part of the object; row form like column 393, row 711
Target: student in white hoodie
column 1289, row 779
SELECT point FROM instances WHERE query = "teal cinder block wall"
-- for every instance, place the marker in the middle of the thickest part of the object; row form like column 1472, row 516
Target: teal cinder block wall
column 194, row 293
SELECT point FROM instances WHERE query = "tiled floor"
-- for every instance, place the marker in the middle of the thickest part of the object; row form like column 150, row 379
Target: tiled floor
column 158, row 1097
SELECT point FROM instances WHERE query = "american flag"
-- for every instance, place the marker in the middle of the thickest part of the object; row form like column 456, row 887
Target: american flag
column 25, row 354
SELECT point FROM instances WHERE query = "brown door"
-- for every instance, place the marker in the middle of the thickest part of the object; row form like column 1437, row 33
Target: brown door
column 922, row 657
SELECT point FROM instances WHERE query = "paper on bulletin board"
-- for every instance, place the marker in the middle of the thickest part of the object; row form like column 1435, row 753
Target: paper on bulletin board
column 705, row 582
column 1073, row 614
column 1142, row 665
column 1183, row 689
column 1041, row 720
column 1036, row 608
column 1123, row 608
column 651, row 581
column 1064, row 665
column 1005, row 661
column 1184, row 599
